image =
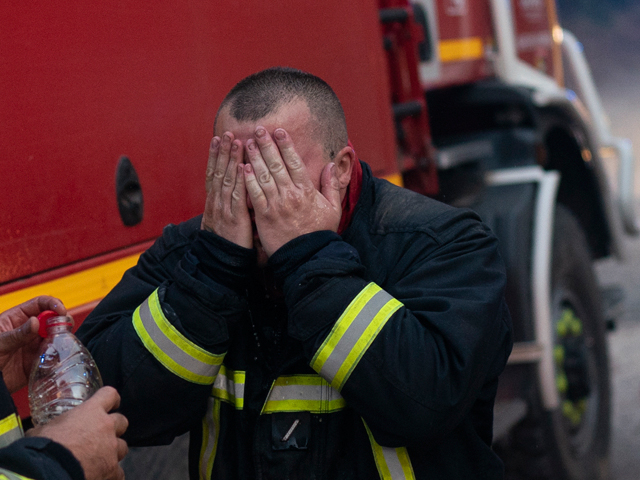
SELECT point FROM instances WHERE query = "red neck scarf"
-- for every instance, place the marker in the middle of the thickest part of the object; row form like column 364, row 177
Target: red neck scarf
column 353, row 193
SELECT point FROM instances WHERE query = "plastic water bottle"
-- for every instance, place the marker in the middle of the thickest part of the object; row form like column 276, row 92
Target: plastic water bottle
column 64, row 375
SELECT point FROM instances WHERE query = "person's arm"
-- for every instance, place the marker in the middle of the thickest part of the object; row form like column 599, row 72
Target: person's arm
column 81, row 444
column 159, row 337
column 39, row 459
column 411, row 355
column 33, row 458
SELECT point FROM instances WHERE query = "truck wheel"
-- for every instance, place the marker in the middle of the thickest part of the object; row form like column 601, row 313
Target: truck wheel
column 571, row 442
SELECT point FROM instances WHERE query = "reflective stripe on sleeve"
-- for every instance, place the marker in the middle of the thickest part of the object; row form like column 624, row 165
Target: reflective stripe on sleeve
column 303, row 393
column 353, row 333
column 210, row 437
column 392, row 463
column 172, row 349
column 10, row 430
column 7, row 475
column 229, row 387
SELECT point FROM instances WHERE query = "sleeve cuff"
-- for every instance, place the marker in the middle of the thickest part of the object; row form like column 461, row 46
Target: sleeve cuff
column 288, row 258
column 222, row 261
column 40, row 457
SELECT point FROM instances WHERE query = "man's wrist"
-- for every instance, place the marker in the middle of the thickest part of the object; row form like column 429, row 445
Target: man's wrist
column 223, row 261
column 288, row 258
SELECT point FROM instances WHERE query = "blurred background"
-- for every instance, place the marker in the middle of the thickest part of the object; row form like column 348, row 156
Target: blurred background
column 611, row 37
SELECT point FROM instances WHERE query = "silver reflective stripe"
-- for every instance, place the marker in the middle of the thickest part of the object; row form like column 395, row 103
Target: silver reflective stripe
column 229, row 387
column 172, row 349
column 353, row 333
column 392, row 463
column 10, row 430
column 303, row 393
column 210, row 437
column 7, row 475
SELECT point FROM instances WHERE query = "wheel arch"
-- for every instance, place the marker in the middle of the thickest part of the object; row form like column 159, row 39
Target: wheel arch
column 568, row 149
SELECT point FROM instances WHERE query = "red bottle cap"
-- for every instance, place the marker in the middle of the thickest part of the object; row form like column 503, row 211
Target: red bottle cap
column 49, row 318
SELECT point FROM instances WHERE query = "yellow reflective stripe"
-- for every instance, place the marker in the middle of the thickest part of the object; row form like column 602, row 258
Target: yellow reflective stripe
column 77, row 288
column 365, row 340
column 342, row 325
column 7, row 475
column 210, row 438
column 303, row 393
column 9, row 423
column 461, row 49
column 172, row 349
column 392, row 463
column 229, row 387
column 10, row 430
column 353, row 333
column 177, row 338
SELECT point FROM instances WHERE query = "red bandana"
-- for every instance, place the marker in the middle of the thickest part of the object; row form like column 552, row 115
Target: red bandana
column 353, row 193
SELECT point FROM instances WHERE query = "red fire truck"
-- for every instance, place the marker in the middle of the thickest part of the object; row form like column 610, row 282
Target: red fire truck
column 107, row 110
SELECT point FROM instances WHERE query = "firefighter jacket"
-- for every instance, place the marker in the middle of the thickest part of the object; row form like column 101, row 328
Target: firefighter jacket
column 374, row 354
column 30, row 458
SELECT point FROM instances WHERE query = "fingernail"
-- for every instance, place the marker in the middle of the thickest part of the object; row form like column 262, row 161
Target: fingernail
column 250, row 144
column 280, row 134
column 215, row 141
column 260, row 132
column 234, row 147
column 226, row 138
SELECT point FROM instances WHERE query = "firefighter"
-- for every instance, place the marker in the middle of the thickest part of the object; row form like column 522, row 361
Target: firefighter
column 314, row 322
column 80, row 444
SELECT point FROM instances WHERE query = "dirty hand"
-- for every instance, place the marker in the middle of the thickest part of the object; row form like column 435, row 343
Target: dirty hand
column 285, row 201
column 225, row 212
column 92, row 434
column 19, row 339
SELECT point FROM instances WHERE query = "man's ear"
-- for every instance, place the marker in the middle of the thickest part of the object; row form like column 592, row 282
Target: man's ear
column 344, row 165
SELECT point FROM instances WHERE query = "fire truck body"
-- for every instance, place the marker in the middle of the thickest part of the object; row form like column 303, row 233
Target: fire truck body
column 107, row 113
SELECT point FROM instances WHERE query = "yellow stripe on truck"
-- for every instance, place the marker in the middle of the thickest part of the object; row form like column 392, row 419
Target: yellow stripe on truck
column 395, row 178
column 461, row 49
column 77, row 288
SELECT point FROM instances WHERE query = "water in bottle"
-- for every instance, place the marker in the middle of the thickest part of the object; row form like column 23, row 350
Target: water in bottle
column 64, row 374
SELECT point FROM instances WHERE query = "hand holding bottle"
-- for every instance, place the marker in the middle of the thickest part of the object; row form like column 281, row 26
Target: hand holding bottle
column 19, row 339
column 92, row 434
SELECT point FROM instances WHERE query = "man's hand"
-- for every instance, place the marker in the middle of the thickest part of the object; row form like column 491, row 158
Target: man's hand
column 285, row 201
column 92, row 434
column 19, row 339
column 225, row 212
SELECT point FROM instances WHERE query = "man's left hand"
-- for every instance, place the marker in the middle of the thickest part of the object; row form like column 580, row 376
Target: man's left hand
column 19, row 339
column 285, row 201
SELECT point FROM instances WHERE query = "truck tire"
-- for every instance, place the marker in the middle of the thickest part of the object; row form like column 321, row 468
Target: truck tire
column 571, row 442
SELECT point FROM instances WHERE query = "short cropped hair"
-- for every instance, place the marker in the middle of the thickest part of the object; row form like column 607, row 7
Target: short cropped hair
column 264, row 92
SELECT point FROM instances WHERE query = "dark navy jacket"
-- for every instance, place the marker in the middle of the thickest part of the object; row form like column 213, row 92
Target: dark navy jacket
column 374, row 354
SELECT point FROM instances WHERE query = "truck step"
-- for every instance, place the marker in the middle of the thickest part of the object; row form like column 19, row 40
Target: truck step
column 525, row 352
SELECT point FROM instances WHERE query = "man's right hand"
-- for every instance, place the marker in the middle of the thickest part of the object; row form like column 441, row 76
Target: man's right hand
column 92, row 434
column 225, row 212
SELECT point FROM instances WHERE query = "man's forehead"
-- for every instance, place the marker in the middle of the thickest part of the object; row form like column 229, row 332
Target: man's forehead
column 291, row 116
